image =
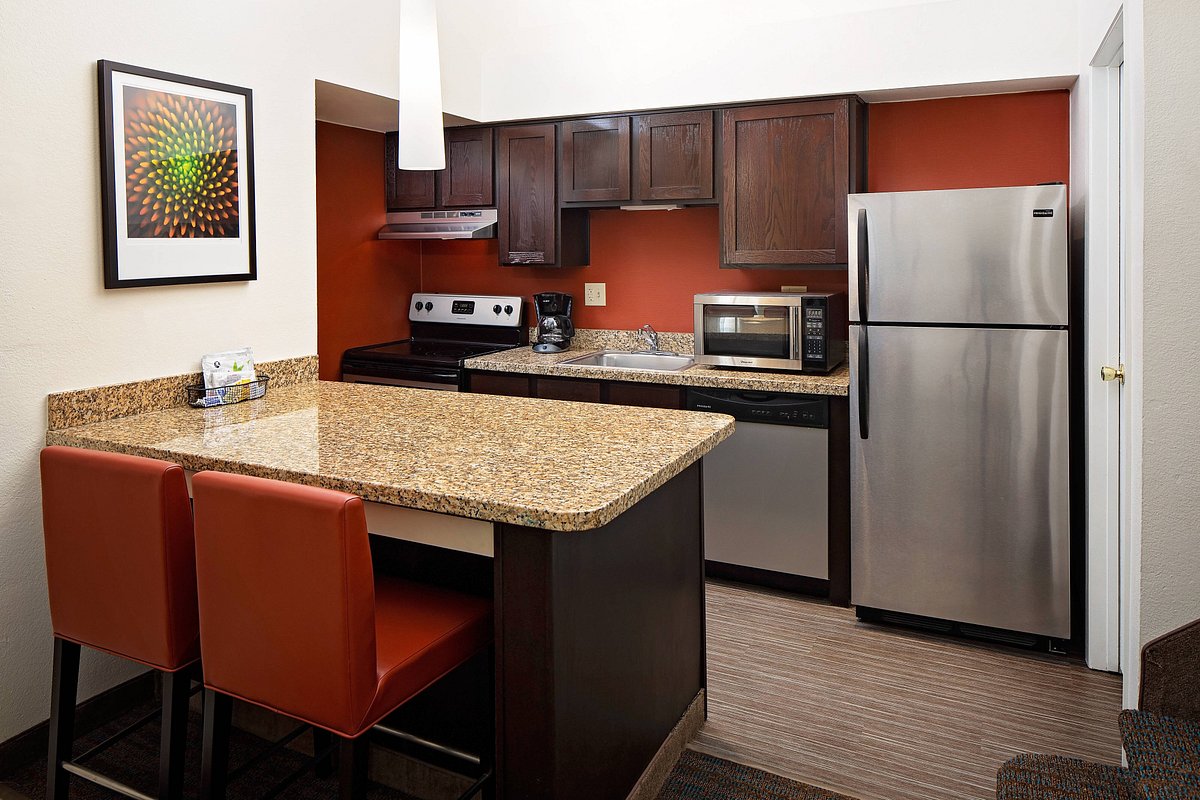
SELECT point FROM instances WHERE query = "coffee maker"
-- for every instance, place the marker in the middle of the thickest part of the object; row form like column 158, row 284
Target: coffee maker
column 554, row 330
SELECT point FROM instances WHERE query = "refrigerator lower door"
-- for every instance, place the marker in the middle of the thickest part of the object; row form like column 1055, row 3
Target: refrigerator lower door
column 959, row 493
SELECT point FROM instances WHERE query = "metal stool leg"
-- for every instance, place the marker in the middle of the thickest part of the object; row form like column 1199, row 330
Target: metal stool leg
column 352, row 768
column 323, row 751
column 214, row 767
column 62, row 717
column 176, row 689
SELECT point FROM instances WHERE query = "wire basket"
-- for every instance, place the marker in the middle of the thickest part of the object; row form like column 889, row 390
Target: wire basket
column 202, row 397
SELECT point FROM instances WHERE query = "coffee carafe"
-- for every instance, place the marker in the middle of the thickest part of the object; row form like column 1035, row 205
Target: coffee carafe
column 555, row 328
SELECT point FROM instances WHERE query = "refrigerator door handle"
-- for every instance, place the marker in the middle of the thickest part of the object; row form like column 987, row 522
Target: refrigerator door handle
column 864, row 380
column 864, row 266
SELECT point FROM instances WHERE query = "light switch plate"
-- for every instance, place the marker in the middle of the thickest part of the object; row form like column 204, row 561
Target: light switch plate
column 594, row 294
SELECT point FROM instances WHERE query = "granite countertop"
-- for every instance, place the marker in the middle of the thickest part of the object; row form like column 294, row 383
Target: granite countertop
column 524, row 360
column 541, row 463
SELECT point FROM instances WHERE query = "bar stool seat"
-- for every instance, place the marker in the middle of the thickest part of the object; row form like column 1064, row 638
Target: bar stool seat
column 292, row 618
column 421, row 633
column 121, row 575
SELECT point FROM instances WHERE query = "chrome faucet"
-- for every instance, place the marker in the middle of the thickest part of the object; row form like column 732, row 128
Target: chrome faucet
column 651, row 338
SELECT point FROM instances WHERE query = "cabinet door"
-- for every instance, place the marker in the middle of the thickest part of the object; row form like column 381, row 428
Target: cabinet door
column 674, row 156
column 646, row 395
column 581, row 391
column 595, row 159
column 526, row 203
column 468, row 177
column 786, row 174
column 406, row 189
column 510, row 385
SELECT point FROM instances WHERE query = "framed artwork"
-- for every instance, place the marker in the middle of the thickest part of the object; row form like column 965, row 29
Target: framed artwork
column 177, row 179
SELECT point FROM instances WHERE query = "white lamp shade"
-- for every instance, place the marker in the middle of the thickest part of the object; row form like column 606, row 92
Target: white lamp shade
column 421, row 141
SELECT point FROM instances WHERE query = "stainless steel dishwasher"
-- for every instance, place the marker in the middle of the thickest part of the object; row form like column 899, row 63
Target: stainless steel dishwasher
column 766, row 490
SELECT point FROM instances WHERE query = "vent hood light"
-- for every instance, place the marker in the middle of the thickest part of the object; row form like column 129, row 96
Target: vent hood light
column 653, row 207
column 421, row 141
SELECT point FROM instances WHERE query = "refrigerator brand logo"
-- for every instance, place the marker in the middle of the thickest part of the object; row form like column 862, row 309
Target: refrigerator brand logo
column 1043, row 212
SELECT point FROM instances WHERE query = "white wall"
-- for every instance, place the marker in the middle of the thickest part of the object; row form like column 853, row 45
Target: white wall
column 59, row 329
column 1170, row 535
column 556, row 57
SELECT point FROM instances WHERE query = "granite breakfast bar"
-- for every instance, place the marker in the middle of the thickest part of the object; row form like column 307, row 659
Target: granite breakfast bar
column 592, row 516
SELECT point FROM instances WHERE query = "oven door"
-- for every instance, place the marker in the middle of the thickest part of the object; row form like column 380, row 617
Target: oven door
column 443, row 379
column 748, row 335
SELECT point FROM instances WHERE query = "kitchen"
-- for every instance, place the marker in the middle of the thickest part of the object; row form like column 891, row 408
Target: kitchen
column 641, row 257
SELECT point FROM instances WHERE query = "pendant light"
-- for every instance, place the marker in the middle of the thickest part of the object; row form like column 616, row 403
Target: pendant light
column 421, row 141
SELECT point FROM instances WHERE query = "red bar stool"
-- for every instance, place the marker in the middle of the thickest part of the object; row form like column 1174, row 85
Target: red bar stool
column 293, row 619
column 121, row 570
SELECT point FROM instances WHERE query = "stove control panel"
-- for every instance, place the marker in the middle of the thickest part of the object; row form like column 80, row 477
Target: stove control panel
column 466, row 309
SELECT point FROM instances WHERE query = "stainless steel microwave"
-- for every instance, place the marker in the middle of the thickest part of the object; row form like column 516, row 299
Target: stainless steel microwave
column 798, row 331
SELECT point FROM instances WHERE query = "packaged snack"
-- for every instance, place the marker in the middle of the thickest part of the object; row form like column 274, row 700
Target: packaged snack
column 228, row 368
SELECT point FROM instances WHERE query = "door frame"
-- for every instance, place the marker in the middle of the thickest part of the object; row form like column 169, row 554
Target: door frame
column 1102, row 325
column 1113, row 328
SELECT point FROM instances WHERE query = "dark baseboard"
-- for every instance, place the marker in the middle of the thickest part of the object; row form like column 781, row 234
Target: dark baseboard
column 31, row 744
column 800, row 584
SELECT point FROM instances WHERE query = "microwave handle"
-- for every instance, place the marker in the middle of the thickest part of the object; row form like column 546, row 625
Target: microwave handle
column 795, row 316
column 864, row 267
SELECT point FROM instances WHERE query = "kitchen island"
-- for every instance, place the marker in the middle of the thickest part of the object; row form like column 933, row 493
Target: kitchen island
column 591, row 514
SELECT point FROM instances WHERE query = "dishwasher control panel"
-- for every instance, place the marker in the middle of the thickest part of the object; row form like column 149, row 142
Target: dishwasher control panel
column 807, row 411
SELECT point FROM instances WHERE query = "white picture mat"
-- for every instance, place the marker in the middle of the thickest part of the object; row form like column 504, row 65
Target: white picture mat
column 139, row 259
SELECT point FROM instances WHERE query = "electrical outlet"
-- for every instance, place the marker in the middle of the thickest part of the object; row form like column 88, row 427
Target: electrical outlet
column 593, row 294
column 793, row 288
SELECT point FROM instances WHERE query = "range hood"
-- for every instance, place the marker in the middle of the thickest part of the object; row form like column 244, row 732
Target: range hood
column 478, row 223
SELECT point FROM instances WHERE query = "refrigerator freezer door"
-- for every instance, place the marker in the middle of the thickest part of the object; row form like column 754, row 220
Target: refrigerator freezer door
column 973, row 256
column 959, row 493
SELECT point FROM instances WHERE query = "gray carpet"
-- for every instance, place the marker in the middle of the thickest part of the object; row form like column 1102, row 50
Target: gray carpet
column 134, row 761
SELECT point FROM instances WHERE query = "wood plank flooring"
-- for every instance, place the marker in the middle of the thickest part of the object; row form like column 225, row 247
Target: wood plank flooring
column 803, row 689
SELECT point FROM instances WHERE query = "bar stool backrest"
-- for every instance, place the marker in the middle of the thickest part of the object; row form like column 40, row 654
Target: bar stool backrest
column 287, row 597
column 120, row 563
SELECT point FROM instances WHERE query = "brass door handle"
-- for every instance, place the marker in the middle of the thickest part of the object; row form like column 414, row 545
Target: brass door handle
column 1116, row 373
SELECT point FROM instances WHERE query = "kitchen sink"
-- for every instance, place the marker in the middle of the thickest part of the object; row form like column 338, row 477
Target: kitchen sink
column 622, row 359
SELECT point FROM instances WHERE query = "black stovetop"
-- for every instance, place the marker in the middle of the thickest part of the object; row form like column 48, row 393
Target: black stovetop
column 428, row 352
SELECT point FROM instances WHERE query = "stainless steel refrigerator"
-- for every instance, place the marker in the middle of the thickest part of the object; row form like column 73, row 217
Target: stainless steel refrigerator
column 958, row 406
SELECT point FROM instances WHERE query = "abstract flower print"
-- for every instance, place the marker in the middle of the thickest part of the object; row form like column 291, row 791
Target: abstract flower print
column 181, row 166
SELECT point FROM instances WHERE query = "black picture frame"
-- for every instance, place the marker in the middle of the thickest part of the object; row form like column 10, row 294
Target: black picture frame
column 168, row 217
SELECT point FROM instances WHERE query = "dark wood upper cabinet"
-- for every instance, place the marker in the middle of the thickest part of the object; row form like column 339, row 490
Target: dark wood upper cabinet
column 406, row 189
column 526, row 201
column 468, row 179
column 786, row 171
column 673, row 155
column 595, row 159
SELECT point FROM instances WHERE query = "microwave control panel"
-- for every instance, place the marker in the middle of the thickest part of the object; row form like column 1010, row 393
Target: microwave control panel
column 814, row 332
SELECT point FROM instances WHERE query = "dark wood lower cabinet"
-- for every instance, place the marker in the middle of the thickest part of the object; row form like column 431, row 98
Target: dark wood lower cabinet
column 646, row 395
column 581, row 391
column 502, row 383
column 839, row 501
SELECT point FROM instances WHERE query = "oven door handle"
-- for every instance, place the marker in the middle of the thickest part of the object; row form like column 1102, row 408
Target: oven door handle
column 449, row 384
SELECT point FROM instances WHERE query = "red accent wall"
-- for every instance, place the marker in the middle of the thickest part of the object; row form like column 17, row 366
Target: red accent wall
column 363, row 284
column 652, row 262
column 970, row 142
